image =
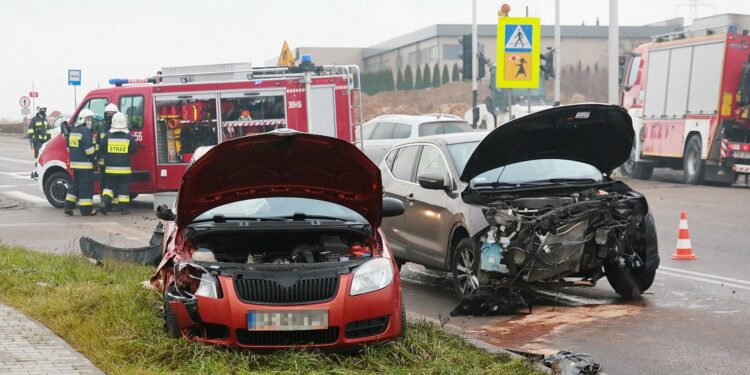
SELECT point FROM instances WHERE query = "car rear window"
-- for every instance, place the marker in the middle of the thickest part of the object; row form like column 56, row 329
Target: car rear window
column 443, row 127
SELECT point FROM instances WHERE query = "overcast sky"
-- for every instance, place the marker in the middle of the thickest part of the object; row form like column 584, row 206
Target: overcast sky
column 41, row 40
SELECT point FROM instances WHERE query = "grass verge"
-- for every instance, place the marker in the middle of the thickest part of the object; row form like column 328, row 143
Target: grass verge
column 106, row 314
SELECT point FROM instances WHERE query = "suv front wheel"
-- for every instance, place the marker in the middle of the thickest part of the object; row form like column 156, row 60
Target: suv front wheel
column 464, row 266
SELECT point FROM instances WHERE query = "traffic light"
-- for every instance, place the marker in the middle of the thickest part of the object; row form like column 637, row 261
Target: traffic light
column 548, row 68
column 465, row 54
column 482, row 62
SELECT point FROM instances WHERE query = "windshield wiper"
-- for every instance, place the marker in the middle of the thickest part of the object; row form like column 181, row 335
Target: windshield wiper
column 568, row 180
column 223, row 219
column 300, row 216
column 511, row 184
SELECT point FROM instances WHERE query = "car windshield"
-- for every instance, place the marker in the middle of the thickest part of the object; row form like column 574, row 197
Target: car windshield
column 525, row 171
column 276, row 207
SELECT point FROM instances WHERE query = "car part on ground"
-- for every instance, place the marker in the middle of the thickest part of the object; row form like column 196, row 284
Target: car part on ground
column 488, row 300
column 149, row 255
column 569, row 363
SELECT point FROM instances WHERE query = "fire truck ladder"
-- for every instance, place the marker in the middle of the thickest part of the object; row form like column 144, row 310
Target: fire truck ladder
column 355, row 106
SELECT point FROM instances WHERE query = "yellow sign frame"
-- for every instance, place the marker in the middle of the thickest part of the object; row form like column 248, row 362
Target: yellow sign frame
column 503, row 56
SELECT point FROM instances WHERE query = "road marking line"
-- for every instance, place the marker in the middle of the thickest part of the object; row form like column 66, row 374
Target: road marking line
column 24, row 197
column 705, row 280
column 19, row 161
column 18, row 175
column 98, row 223
column 704, row 275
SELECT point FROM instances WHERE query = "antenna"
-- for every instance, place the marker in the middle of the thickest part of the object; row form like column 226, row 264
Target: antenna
column 693, row 6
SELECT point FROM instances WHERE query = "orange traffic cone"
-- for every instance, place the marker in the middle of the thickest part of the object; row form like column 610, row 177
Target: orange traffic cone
column 684, row 248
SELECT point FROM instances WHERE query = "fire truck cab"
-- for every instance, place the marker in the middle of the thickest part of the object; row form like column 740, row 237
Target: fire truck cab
column 183, row 108
column 688, row 94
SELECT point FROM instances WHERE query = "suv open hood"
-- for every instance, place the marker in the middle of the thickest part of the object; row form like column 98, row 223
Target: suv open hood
column 281, row 163
column 596, row 134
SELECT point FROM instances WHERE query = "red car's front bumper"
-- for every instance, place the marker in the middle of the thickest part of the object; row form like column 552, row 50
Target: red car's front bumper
column 352, row 320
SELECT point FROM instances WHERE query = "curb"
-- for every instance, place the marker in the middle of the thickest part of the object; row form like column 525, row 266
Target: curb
column 473, row 341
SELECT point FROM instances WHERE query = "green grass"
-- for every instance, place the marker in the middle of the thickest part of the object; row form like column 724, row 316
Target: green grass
column 106, row 314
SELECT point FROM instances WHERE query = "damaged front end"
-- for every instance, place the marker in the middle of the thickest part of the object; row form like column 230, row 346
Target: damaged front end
column 583, row 233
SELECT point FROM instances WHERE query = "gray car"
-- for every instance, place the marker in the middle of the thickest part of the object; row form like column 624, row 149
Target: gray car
column 530, row 202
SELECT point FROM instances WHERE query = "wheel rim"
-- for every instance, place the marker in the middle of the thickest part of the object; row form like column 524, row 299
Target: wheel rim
column 692, row 163
column 58, row 190
column 465, row 276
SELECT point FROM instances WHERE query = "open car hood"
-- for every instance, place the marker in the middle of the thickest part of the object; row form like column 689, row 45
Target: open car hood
column 281, row 163
column 596, row 134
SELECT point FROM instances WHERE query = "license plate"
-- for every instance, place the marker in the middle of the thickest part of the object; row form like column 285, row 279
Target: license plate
column 296, row 320
column 741, row 154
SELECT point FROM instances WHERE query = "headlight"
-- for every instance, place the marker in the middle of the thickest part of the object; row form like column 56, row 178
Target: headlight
column 209, row 286
column 374, row 275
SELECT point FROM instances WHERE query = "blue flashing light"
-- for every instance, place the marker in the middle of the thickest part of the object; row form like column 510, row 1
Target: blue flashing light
column 306, row 58
column 118, row 81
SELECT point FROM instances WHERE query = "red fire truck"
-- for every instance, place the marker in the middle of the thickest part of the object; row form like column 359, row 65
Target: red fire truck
column 184, row 108
column 688, row 93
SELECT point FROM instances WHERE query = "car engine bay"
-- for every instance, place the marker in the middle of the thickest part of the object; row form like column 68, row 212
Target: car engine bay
column 277, row 248
column 535, row 238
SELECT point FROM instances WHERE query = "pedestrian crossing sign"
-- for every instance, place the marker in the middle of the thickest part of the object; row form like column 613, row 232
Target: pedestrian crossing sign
column 518, row 57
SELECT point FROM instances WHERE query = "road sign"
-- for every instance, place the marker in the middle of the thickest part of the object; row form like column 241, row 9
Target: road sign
column 285, row 58
column 34, row 94
column 518, row 45
column 74, row 77
column 25, row 102
column 25, row 111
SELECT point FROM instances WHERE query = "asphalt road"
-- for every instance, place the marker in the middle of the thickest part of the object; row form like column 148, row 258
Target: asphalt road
column 694, row 319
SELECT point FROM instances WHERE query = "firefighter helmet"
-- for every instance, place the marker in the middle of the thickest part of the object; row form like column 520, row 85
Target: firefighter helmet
column 83, row 115
column 111, row 108
column 119, row 123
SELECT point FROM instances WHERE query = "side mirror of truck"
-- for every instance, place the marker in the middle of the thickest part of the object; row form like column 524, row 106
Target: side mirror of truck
column 165, row 213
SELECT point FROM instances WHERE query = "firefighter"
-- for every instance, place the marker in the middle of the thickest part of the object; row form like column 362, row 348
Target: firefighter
column 117, row 150
column 39, row 130
column 109, row 111
column 82, row 159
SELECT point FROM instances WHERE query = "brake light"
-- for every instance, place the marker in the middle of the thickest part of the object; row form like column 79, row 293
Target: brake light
column 745, row 147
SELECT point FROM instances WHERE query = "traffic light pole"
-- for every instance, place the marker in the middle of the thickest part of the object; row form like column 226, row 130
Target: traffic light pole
column 474, row 66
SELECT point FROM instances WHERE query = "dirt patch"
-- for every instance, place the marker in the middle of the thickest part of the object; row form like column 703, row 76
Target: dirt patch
column 527, row 332
column 452, row 98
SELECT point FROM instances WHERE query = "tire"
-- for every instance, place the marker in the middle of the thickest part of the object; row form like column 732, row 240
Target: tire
column 634, row 169
column 170, row 321
column 626, row 283
column 692, row 164
column 464, row 267
column 55, row 188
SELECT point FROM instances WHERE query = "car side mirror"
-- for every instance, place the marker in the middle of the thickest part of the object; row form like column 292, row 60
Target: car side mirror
column 432, row 181
column 392, row 207
column 165, row 213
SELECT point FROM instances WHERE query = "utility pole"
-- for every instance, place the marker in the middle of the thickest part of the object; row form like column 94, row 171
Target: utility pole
column 614, row 43
column 558, row 60
column 474, row 66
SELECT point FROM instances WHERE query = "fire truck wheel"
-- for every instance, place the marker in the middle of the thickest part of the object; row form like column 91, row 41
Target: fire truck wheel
column 634, row 169
column 692, row 164
column 56, row 187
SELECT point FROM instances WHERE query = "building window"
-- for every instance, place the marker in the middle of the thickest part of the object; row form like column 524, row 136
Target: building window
column 413, row 58
column 450, row 51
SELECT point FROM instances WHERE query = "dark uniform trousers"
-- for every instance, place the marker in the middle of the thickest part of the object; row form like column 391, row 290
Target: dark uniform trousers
column 117, row 191
column 81, row 191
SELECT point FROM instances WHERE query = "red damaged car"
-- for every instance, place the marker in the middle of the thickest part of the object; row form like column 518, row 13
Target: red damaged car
column 275, row 242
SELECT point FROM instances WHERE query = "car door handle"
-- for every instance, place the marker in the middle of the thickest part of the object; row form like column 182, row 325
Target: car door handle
column 410, row 198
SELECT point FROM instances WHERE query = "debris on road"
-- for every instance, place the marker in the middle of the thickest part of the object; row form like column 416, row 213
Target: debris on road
column 149, row 255
column 568, row 363
column 488, row 300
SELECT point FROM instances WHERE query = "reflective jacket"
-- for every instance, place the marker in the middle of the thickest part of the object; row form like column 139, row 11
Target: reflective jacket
column 116, row 150
column 39, row 130
column 81, row 147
